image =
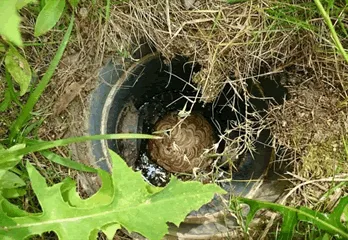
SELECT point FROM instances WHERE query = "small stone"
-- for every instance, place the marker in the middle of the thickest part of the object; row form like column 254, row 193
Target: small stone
column 83, row 13
column 188, row 4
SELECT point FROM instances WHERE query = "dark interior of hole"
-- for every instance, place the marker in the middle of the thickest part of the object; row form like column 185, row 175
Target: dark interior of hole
column 154, row 89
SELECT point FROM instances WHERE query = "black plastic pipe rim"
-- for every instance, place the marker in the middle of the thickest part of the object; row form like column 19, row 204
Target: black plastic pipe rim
column 132, row 99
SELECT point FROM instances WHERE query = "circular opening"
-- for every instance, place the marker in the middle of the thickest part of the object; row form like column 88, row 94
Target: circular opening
column 152, row 91
column 139, row 98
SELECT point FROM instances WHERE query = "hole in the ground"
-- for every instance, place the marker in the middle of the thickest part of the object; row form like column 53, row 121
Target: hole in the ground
column 154, row 91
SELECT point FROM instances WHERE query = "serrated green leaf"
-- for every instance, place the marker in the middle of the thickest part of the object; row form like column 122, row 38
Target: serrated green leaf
column 9, row 161
column 289, row 222
column 9, row 18
column 102, row 197
column 49, row 16
column 74, row 3
column 23, row 3
column 10, row 184
column 132, row 207
column 10, row 209
column 13, row 192
column 110, row 230
column 19, row 69
column 10, row 180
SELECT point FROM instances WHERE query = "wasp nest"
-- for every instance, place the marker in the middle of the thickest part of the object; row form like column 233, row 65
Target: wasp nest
column 183, row 144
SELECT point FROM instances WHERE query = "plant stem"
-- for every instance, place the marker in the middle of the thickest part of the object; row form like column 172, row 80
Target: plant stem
column 35, row 95
column 40, row 146
column 107, row 10
column 332, row 29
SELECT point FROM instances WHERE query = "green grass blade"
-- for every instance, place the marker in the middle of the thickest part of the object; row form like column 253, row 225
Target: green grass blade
column 328, row 22
column 67, row 162
column 319, row 219
column 107, row 10
column 32, row 127
column 35, row 95
column 40, row 146
column 14, row 95
column 6, row 102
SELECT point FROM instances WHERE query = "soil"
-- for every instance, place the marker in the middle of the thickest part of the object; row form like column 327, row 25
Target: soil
column 312, row 123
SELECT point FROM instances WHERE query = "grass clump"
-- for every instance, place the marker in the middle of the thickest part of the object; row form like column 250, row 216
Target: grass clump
column 324, row 160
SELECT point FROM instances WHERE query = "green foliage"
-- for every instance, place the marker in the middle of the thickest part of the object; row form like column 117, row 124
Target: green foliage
column 8, row 159
column 336, row 40
column 292, row 15
column 7, row 156
column 329, row 223
column 19, row 69
column 9, row 18
column 47, row 19
column 35, row 95
column 11, row 184
column 107, row 10
column 49, row 16
column 129, row 204
column 301, row 16
column 12, row 180
column 11, row 157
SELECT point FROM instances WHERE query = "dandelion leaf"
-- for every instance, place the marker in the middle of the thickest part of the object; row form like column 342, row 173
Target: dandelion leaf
column 132, row 205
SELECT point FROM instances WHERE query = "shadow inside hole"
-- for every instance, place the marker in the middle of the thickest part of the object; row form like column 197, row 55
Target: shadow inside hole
column 153, row 89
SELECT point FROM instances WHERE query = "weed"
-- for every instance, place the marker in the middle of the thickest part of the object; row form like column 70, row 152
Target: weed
column 125, row 199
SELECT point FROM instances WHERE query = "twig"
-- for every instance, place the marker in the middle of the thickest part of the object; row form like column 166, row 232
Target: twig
column 168, row 18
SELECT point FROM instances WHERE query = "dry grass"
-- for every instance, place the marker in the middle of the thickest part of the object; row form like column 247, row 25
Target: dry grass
column 243, row 41
column 225, row 39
